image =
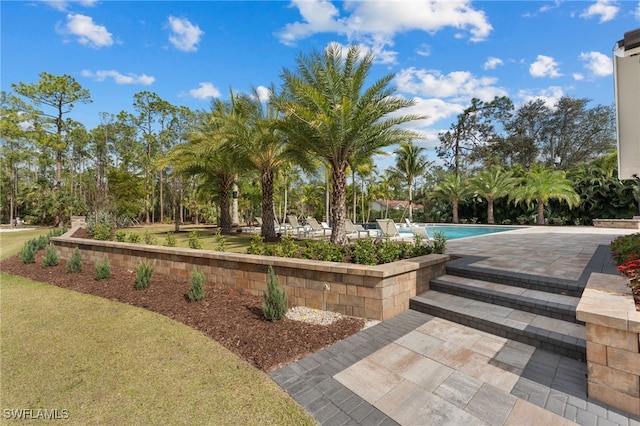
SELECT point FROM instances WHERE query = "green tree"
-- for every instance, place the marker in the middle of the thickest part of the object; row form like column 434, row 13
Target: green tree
column 61, row 93
column 468, row 140
column 493, row 184
column 453, row 188
column 544, row 184
column 410, row 163
column 329, row 114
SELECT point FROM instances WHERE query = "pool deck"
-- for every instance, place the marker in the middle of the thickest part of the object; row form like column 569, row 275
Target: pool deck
column 415, row 369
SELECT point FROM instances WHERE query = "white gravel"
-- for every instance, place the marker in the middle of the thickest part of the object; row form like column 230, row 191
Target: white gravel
column 317, row 316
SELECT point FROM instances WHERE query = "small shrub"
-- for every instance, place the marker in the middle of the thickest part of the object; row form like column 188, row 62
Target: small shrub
column 625, row 248
column 196, row 290
column 221, row 240
column 257, row 245
column 149, row 239
column 102, row 231
column 364, row 252
column 439, row 242
column 42, row 242
column 323, row 250
column 170, row 240
column 389, row 251
column 420, row 247
column 133, row 238
column 286, row 247
column 50, row 257
column 143, row 276
column 121, row 236
column 194, row 240
column 275, row 299
column 28, row 252
column 74, row 264
column 103, row 270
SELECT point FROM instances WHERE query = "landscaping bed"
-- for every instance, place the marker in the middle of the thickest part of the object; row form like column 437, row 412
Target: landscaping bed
column 232, row 318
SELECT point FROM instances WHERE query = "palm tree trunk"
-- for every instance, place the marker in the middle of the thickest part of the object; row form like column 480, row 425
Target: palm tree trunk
column 490, row 218
column 268, row 229
column 339, row 204
column 456, row 219
column 225, row 203
column 540, row 220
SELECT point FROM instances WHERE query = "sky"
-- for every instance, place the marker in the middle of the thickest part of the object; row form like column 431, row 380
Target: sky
column 442, row 53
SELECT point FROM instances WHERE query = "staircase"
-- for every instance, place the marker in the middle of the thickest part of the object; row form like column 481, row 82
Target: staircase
column 539, row 311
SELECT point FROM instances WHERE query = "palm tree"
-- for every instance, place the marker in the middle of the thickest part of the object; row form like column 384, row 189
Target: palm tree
column 410, row 164
column 492, row 184
column 544, row 184
column 452, row 188
column 329, row 114
column 205, row 154
column 251, row 132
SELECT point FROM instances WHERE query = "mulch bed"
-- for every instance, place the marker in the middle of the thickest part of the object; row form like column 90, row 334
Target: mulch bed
column 232, row 318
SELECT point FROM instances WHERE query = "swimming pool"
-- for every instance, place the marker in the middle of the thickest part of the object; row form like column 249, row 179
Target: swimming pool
column 453, row 232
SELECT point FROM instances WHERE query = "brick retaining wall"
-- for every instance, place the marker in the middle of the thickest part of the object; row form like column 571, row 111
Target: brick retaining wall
column 374, row 292
column 613, row 345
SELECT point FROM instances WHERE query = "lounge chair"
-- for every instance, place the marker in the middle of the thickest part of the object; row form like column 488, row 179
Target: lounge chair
column 316, row 229
column 295, row 225
column 390, row 231
column 422, row 232
column 357, row 231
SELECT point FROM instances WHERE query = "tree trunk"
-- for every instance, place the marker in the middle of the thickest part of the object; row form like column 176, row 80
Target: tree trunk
column 225, row 204
column 456, row 219
column 490, row 219
column 268, row 229
column 339, row 205
column 540, row 220
column 410, row 200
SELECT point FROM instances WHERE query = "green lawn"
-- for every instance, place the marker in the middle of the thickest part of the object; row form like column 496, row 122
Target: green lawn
column 109, row 363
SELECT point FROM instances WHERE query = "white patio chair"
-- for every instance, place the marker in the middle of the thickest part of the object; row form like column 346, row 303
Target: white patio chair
column 315, row 229
column 390, row 230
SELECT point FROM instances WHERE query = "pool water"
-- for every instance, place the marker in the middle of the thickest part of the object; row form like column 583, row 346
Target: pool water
column 452, row 232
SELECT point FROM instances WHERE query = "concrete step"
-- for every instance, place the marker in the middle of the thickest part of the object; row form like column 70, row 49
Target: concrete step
column 464, row 267
column 538, row 302
column 555, row 335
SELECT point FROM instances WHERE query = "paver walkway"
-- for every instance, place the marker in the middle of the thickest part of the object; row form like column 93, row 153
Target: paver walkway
column 415, row 369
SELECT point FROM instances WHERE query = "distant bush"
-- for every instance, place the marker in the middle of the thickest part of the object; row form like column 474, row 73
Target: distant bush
column 196, row 290
column 102, row 231
column 257, row 245
column 74, row 264
column 143, row 276
column 625, row 248
column 50, row 257
column 170, row 240
column 121, row 236
column 286, row 247
column 194, row 240
column 365, row 252
column 103, row 270
column 275, row 298
column 149, row 239
column 133, row 238
column 221, row 240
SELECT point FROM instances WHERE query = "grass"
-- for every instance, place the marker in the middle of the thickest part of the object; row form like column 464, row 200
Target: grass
column 11, row 242
column 111, row 363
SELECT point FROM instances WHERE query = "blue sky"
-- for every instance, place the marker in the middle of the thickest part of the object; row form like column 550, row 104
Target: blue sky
column 442, row 53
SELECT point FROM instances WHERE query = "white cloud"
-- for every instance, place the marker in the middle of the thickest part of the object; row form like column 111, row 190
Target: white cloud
column 375, row 23
column 636, row 13
column 578, row 76
column 492, row 63
column 63, row 5
column 87, row 32
column 544, row 66
column 185, row 36
column 264, row 94
column 598, row 64
column 433, row 109
column 119, row 78
column 460, row 86
column 550, row 95
column 204, row 91
column 424, row 50
column 605, row 9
